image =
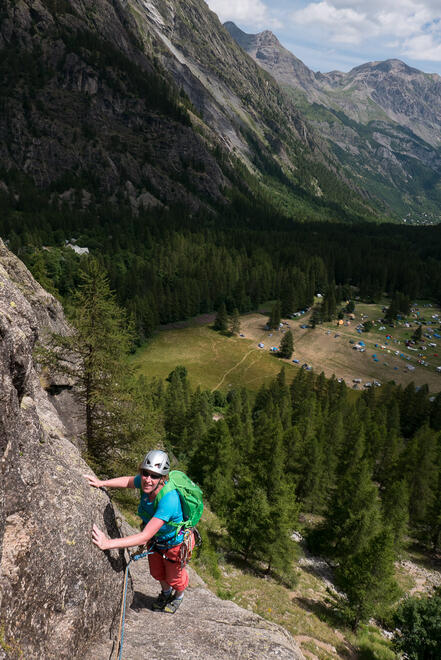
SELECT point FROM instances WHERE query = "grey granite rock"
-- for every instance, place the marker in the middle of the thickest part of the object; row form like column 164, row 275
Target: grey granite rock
column 56, row 589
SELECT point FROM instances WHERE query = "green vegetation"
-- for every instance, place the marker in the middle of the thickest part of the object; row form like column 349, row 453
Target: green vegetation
column 286, row 346
column 212, row 360
column 419, row 623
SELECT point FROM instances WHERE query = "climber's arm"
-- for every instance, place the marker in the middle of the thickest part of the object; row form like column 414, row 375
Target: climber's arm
column 117, row 482
column 104, row 543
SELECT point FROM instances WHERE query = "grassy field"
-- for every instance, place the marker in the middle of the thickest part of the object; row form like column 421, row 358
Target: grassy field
column 215, row 361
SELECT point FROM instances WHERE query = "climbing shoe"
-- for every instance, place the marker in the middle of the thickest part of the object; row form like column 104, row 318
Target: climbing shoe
column 172, row 605
column 161, row 601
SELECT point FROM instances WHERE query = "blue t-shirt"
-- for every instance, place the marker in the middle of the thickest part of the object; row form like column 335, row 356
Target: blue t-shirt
column 169, row 510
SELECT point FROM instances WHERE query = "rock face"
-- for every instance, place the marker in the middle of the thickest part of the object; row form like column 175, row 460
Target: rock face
column 56, row 590
column 204, row 628
column 382, row 119
column 59, row 594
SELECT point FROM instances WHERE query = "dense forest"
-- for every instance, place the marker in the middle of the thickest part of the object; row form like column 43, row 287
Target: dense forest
column 166, row 265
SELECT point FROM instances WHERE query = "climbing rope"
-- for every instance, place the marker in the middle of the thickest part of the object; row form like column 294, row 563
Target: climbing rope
column 122, row 617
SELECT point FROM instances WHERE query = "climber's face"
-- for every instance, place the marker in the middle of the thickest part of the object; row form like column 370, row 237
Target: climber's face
column 149, row 481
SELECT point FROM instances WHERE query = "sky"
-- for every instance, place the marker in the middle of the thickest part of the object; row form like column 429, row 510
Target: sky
column 341, row 34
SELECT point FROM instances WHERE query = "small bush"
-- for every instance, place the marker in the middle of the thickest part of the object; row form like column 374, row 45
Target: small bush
column 372, row 646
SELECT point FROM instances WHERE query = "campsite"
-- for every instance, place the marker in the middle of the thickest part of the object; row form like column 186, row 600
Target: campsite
column 220, row 362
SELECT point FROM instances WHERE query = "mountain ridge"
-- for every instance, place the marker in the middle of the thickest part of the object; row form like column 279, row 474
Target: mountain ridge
column 148, row 104
column 386, row 113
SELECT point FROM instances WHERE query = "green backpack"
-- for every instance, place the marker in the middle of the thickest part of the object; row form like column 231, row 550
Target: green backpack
column 191, row 499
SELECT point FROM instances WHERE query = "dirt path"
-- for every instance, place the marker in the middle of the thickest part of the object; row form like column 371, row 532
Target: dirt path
column 232, row 369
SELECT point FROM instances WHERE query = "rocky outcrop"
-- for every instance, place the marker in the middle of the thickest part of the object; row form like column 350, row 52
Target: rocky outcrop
column 204, row 628
column 56, row 590
column 59, row 594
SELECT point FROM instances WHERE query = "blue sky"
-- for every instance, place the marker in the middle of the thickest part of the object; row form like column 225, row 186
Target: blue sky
column 341, row 34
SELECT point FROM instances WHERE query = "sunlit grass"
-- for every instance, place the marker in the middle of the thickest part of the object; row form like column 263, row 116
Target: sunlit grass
column 212, row 359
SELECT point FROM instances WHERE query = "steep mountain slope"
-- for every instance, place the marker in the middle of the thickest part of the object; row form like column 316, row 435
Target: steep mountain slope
column 147, row 103
column 383, row 120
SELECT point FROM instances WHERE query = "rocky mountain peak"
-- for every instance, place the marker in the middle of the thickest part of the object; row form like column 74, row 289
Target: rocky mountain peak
column 382, row 118
column 269, row 53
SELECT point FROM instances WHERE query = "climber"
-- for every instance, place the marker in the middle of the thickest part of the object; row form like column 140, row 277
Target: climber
column 164, row 540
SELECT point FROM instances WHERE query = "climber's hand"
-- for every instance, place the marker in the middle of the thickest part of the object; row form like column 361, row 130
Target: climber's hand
column 93, row 481
column 100, row 539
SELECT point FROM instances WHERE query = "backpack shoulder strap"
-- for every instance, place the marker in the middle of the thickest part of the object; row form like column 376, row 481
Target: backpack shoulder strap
column 167, row 488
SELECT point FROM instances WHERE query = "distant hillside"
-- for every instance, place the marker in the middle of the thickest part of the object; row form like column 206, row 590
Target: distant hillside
column 151, row 105
column 382, row 120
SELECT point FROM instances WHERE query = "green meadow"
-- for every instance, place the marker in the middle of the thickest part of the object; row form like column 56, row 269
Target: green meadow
column 213, row 361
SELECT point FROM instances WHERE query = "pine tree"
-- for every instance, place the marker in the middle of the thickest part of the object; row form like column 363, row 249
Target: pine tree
column 367, row 578
column 288, row 302
column 221, row 320
column 354, row 516
column 95, row 356
column 284, row 511
column 419, row 467
column 286, row 346
column 249, row 518
column 396, row 512
column 330, row 304
column 274, row 320
column 316, row 316
column 235, row 322
column 214, row 465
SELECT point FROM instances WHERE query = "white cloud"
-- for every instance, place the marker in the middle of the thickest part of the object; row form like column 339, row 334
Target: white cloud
column 413, row 26
column 252, row 12
column 422, row 47
column 343, row 25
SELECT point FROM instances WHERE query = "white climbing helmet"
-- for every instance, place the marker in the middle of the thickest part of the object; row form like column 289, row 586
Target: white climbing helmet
column 156, row 461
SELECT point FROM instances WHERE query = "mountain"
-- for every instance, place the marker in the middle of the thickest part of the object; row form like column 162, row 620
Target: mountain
column 151, row 105
column 381, row 119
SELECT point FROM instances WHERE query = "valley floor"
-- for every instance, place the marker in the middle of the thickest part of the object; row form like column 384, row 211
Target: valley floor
column 215, row 361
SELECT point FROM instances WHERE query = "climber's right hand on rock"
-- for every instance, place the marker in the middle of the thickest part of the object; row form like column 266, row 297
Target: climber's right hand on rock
column 93, row 481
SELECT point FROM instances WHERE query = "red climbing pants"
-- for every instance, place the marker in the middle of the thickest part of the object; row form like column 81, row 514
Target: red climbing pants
column 170, row 571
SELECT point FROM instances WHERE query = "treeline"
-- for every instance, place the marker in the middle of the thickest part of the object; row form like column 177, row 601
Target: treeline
column 166, row 265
